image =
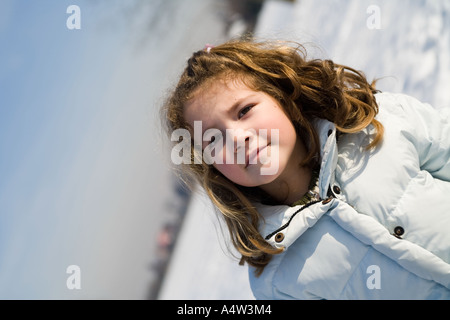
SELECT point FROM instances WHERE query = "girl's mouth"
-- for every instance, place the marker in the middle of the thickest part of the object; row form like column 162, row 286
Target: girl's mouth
column 252, row 157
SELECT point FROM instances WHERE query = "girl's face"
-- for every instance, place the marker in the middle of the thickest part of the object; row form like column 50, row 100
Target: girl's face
column 254, row 120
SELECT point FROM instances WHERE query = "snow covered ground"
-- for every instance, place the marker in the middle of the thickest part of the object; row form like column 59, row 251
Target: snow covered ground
column 405, row 43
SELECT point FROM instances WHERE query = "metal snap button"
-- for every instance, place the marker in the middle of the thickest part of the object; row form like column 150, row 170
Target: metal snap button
column 398, row 231
column 336, row 190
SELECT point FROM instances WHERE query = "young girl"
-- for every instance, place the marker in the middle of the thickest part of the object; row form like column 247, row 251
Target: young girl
column 357, row 205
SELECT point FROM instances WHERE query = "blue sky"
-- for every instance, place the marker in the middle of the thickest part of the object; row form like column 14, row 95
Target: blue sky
column 46, row 114
column 42, row 65
column 71, row 157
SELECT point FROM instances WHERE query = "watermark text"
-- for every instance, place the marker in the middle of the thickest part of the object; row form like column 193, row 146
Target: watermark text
column 246, row 147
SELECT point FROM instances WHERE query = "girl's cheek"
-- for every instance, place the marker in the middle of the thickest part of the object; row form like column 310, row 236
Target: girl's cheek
column 215, row 155
column 231, row 171
column 225, row 156
column 228, row 167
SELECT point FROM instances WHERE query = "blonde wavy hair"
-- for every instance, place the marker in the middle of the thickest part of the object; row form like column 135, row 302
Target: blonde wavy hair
column 306, row 90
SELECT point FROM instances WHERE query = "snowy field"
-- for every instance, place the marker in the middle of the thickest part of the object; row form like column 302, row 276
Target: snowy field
column 405, row 43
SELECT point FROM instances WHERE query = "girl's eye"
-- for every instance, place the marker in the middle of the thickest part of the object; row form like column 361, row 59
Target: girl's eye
column 244, row 111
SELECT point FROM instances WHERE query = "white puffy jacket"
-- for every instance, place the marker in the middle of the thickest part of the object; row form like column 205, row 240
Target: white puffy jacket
column 385, row 232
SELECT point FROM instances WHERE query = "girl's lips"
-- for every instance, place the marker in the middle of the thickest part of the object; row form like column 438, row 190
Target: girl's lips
column 253, row 155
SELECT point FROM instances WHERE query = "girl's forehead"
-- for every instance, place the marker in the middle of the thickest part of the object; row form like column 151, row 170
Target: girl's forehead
column 204, row 101
column 214, row 96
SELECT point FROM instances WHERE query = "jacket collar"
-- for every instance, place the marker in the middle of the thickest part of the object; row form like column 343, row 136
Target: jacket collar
column 281, row 225
column 328, row 154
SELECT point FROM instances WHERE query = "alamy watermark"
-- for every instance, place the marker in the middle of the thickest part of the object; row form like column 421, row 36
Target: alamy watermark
column 74, row 280
column 73, row 22
column 374, row 19
column 247, row 147
column 374, row 280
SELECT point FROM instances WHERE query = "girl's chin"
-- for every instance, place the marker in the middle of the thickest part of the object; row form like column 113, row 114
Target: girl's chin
column 252, row 176
column 257, row 181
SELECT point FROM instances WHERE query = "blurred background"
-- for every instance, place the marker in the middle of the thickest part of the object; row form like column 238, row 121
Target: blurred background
column 85, row 172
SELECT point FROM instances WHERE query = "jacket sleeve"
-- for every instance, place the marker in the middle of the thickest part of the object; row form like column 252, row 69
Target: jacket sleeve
column 430, row 133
